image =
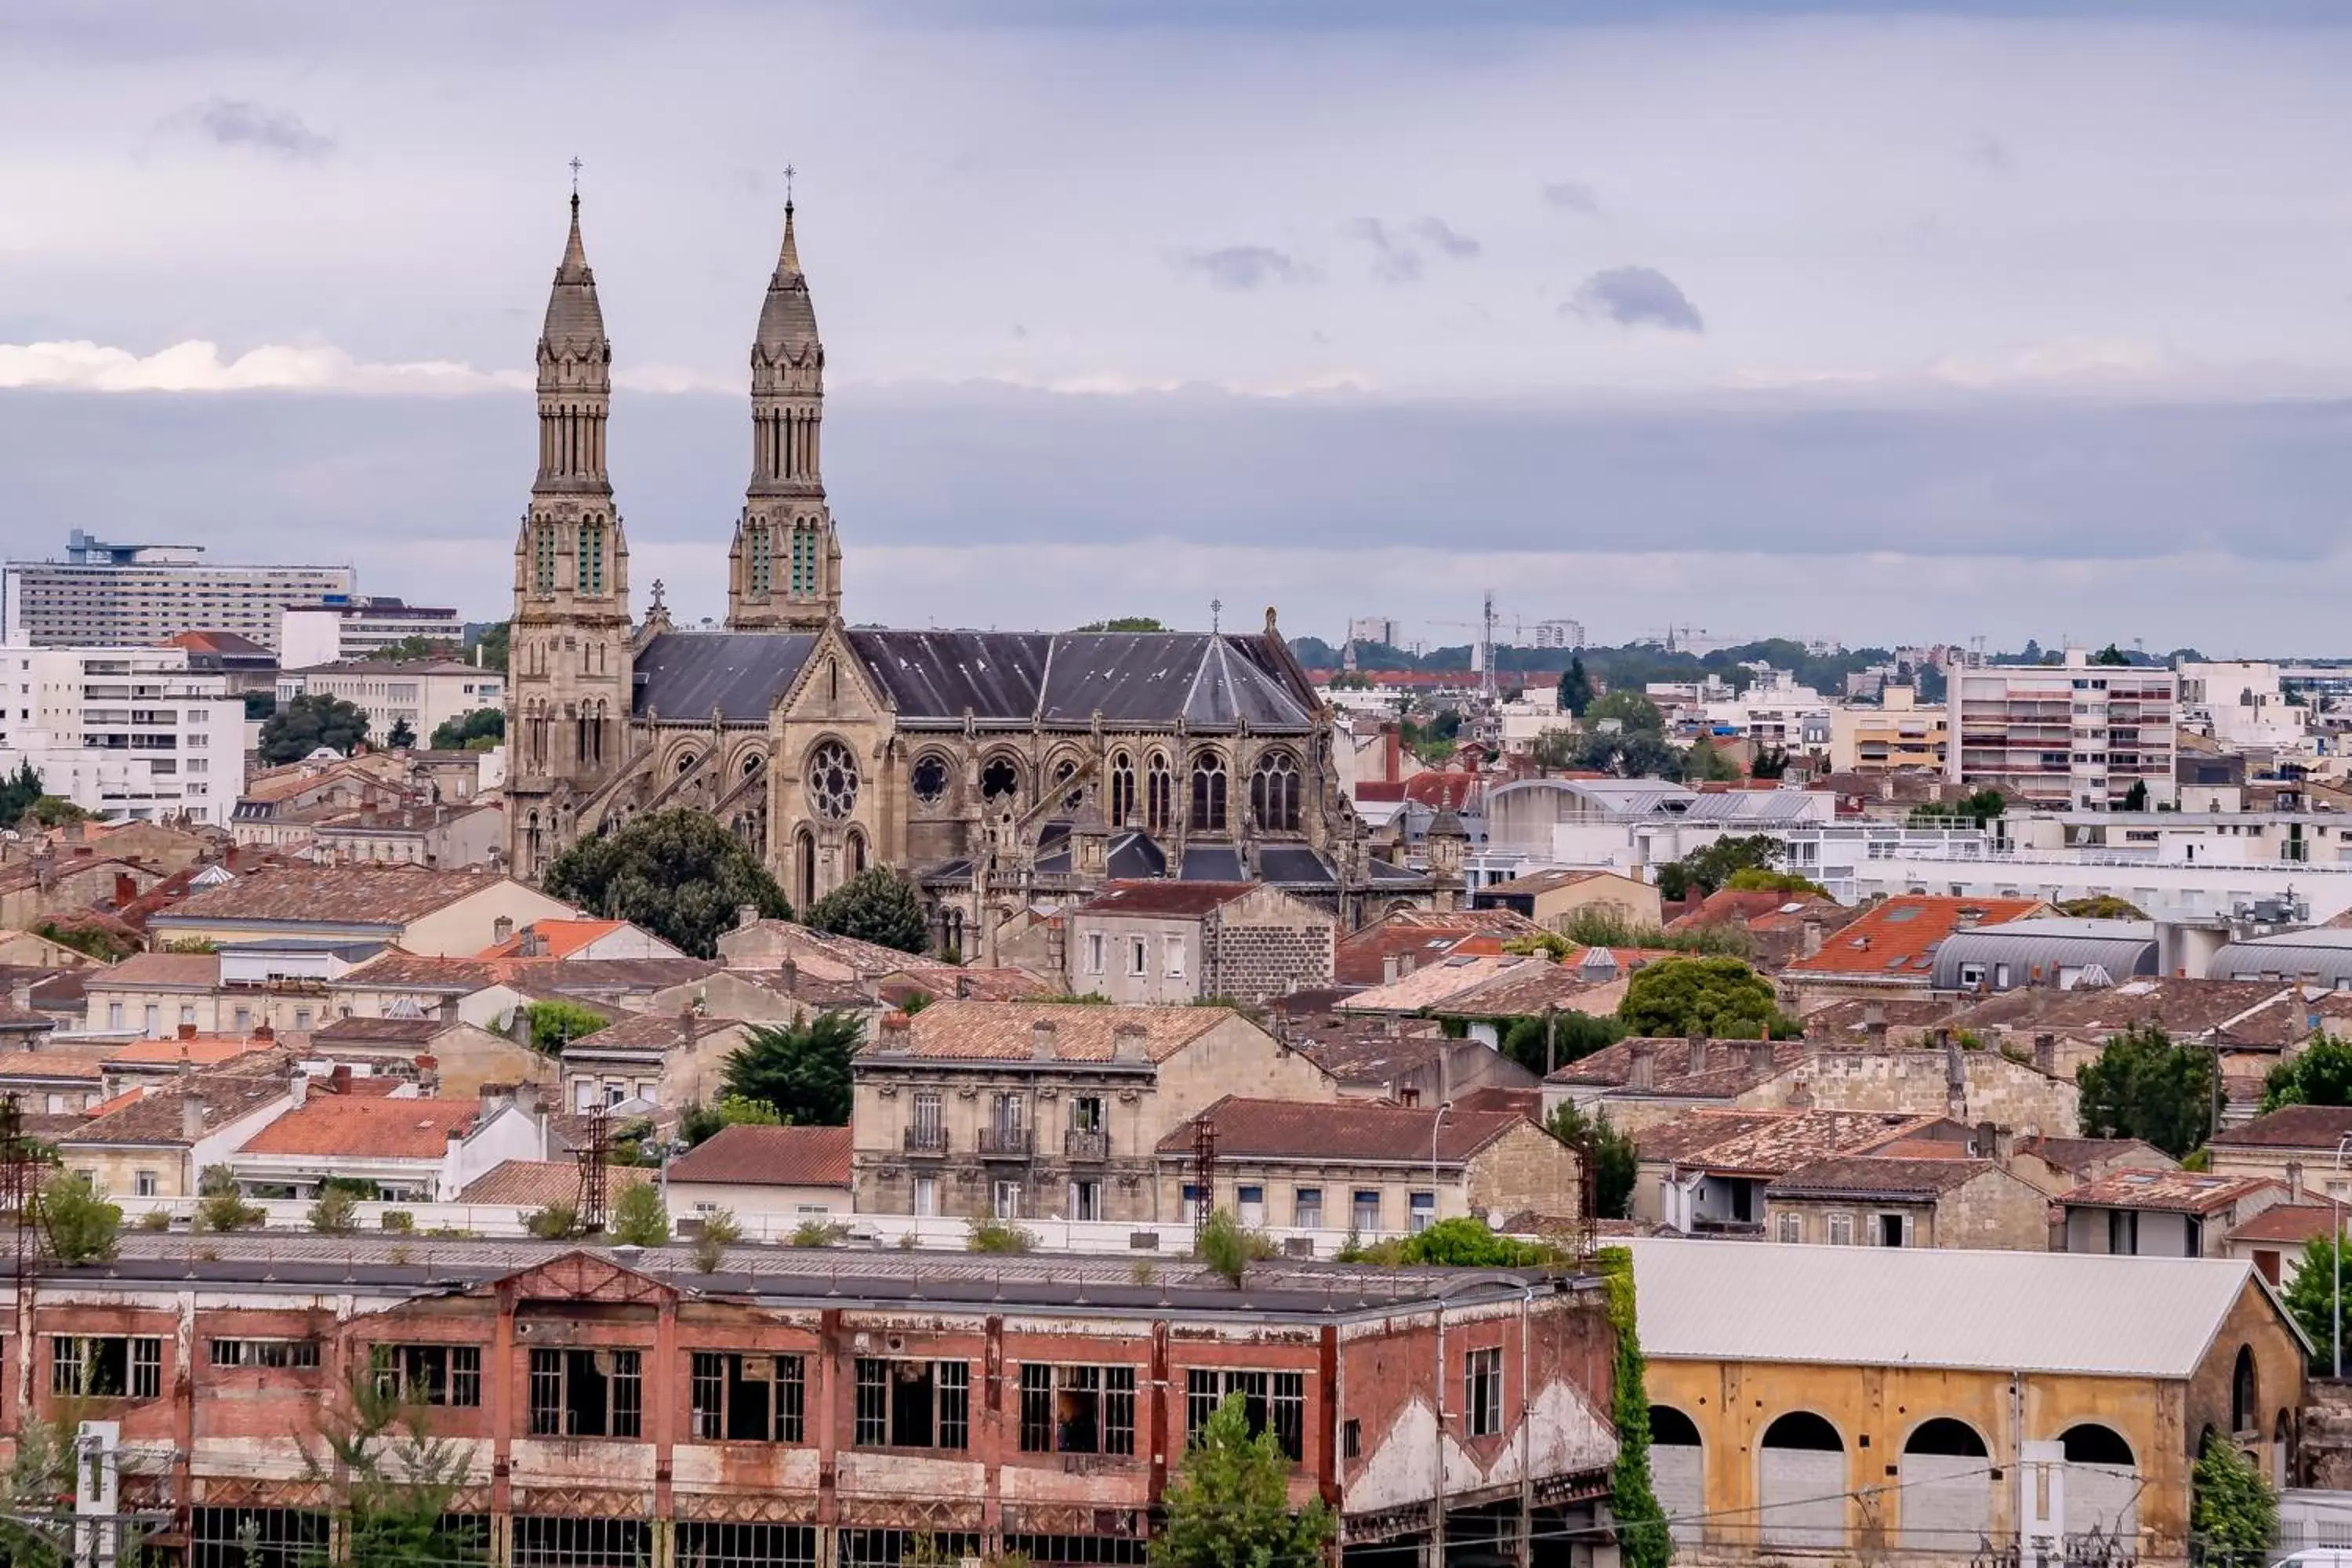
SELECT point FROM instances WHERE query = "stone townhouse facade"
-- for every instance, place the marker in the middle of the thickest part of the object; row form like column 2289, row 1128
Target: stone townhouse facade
column 1879, row 1201
column 1180, row 941
column 1022, row 1109
column 827, row 1410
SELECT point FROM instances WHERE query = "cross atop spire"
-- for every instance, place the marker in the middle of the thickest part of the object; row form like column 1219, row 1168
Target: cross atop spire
column 789, row 171
column 575, row 185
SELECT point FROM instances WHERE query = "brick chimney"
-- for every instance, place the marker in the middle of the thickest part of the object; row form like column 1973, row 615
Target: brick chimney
column 20, row 994
column 1040, row 1040
column 1641, row 1067
column 1130, row 1042
column 897, row 1033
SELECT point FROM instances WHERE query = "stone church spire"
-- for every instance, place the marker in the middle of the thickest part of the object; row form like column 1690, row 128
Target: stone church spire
column 785, row 571
column 568, row 659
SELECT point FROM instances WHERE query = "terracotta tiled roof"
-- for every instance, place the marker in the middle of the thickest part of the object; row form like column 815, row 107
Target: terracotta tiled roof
column 535, row 1183
column 948, row 980
column 1547, row 881
column 2291, row 1225
column 1373, row 1057
column 1871, row 1174
column 201, row 1050
column 78, row 1066
column 1388, row 1134
column 768, row 1156
column 156, row 1118
column 1729, row 906
column 1426, row 936
column 1436, row 984
column 2187, row 1009
column 357, row 1031
column 405, row 971
column 367, row 1128
column 1896, row 942
column 2178, row 1191
column 1524, row 993
column 1771, row 1143
column 654, row 1032
column 1189, row 901
column 2079, row 1154
column 336, row 895
column 1731, row 1067
column 557, row 939
column 2291, row 1127
column 173, row 971
column 1846, row 1020
column 837, row 957
column 1006, row 1031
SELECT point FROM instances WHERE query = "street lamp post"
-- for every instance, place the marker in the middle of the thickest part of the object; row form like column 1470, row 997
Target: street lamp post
column 1435, row 1126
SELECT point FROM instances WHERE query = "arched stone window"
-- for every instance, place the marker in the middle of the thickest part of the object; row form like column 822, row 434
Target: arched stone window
column 832, row 781
column 1802, row 1483
column 856, row 852
column 804, row 869
column 1159, row 796
column 999, row 780
column 2245, row 1393
column 758, row 557
column 1064, row 770
column 2102, row 1482
column 588, row 569
column 1677, row 1470
column 1273, row 793
column 1122, row 789
column 929, row 778
column 1208, row 792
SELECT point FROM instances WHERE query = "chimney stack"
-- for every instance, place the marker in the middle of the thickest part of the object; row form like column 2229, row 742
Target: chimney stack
column 2045, row 1054
column 20, row 994
column 746, row 915
column 2294, row 1181
column 501, row 931
column 1955, row 1078
column 1759, row 1058
column 1697, row 1054
column 192, row 1117
column 963, row 987
column 897, row 1033
column 1040, row 1040
column 1391, row 968
column 1130, row 1042
column 428, row 1076
column 1641, row 1069
column 1873, row 1025
column 1811, row 943
column 187, row 1031
column 298, row 1085
column 1800, row 1096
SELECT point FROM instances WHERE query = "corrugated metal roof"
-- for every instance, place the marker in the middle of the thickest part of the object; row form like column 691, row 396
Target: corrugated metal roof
column 2087, row 1314
column 2122, row 948
column 2322, row 952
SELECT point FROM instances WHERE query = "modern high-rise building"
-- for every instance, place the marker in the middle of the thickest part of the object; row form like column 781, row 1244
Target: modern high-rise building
column 119, row 596
column 124, row 731
column 349, row 626
column 1558, row 634
column 2078, row 735
column 1375, row 629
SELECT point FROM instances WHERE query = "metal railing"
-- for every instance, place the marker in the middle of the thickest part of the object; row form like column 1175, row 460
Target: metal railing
column 927, row 1140
column 1083, row 1143
column 1007, row 1143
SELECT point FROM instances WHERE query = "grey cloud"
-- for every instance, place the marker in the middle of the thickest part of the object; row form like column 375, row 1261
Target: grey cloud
column 1991, row 152
column 1244, row 266
column 1571, row 196
column 241, row 122
column 1450, row 240
column 1394, row 261
column 1634, row 297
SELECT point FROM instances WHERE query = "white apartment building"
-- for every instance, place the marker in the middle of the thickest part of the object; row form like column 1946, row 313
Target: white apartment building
column 2241, row 705
column 344, row 627
column 1558, row 634
column 1775, row 714
column 421, row 693
column 2068, row 736
column 127, row 732
column 121, row 595
column 1376, row 629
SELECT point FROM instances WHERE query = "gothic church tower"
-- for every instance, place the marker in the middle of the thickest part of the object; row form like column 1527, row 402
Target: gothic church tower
column 568, row 662
column 784, row 573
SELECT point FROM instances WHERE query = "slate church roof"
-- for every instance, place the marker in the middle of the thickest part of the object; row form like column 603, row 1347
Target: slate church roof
column 1135, row 679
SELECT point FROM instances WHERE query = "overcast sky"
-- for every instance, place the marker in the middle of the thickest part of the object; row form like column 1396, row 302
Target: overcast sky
column 1878, row 322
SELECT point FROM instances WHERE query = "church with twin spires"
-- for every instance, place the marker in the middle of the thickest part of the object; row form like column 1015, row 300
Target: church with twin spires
column 1000, row 770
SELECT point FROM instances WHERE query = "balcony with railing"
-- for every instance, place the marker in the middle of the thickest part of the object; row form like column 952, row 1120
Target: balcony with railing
column 922, row 1140
column 1007, row 1143
column 1086, row 1143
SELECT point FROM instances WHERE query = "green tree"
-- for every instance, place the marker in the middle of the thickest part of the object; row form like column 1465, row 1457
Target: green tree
column 1708, row 869
column 1706, row 764
column 336, row 1213
column 2311, row 1297
column 398, row 1482
column 2135, row 797
column 2144, row 1086
column 402, row 736
column 18, row 794
column 417, row 645
column 1124, row 623
column 309, row 722
column 1229, row 1503
column 2101, row 907
column 802, row 1071
column 1575, row 688
column 877, row 905
column 1721, row 997
column 556, row 1222
column 557, row 1020
column 1630, row 708
column 493, row 642
column 639, row 1219
column 698, row 1123
column 1611, row 1155
column 1752, row 879
column 221, row 1206
column 2111, row 654
column 1541, row 1042
column 1628, row 753
column 2319, row 1074
column 459, row 735
column 1229, row 1246
column 1978, row 808
column 260, row 705
column 2232, row 1512
column 1466, row 1243
column 1643, row 1541
column 83, row 1226
column 677, row 873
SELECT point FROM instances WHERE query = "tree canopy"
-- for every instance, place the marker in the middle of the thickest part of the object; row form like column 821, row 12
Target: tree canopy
column 1228, row 1505
column 403, row 735
column 1123, row 624
column 557, row 1021
column 487, row 725
column 1631, row 708
column 1722, row 997
column 877, row 905
column 1575, row 688
column 1610, row 1154
column 800, row 1070
column 677, row 873
column 1703, row 871
column 2319, row 1074
column 2311, row 1297
column 2144, row 1086
column 303, row 725
column 2232, row 1512
column 1466, row 1243
column 493, row 642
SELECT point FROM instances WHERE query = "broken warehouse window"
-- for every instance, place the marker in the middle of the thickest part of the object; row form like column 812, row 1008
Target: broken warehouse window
column 913, row 1404
column 1276, row 1398
column 106, row 1366
column 428, row 1374
column 1077, row 1409
column 586, row 1394
column 747, row 1398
